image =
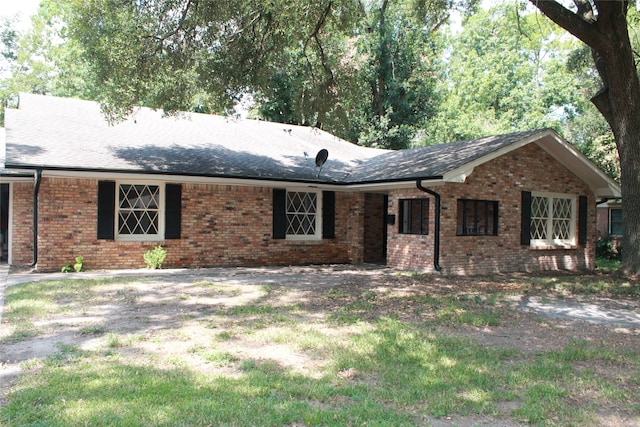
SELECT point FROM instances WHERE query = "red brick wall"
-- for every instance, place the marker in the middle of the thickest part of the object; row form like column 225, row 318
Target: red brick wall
column 503, row 179
column 22, row 223
column 232, row 225
column 221, row 226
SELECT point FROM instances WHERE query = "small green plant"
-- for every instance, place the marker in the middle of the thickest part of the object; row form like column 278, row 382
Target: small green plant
column 78, row 265
column 155, row 257
column 70, row 268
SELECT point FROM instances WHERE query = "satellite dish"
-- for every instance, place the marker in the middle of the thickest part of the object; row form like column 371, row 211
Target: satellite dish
column 321, row 158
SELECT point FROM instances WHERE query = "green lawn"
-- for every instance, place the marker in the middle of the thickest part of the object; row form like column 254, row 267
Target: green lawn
column 135, row 352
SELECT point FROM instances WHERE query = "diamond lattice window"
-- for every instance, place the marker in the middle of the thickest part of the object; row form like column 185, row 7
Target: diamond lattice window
column 138, row 210
column 539, row 217
column 302, row 208
column 552, row 220
column 562, row 219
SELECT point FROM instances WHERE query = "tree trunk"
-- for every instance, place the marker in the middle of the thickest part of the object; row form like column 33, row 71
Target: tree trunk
column 624, row 120
column 628, row 141
column 621, row 109
column 618, row 101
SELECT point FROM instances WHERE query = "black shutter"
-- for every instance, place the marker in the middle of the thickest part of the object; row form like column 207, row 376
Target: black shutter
column 495, row 218
column 172, row 211
column 525, row 231
column 582, row 220
column 279, row 213
column 106, row 209
column 328, row 214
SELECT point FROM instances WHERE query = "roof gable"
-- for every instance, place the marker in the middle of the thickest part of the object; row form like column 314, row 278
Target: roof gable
column 435, row 161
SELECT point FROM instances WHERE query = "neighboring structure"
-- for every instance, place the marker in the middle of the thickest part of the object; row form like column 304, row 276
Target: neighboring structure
column 215, row 191
column 609, row 219
column 609, row 224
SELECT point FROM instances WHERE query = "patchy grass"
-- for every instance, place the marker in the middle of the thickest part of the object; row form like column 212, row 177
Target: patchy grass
column 405, row 353
column 608, row 265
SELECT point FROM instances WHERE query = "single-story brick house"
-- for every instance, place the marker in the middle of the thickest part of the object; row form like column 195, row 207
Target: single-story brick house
column 218, row 191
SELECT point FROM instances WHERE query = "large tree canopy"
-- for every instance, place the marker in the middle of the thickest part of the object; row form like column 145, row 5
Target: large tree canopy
column 358, row 69
column 505, row 71
column 43, row 59
column 508, row 69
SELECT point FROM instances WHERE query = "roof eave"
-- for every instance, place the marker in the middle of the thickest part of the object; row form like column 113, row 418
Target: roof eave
column 373, row 185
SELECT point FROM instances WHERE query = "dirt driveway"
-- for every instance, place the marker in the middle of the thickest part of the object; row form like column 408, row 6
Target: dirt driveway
column 616, row 313
column 533, row 321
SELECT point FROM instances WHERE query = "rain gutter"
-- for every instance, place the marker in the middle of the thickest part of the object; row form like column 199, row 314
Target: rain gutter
column 36, row 190
column 436, row 225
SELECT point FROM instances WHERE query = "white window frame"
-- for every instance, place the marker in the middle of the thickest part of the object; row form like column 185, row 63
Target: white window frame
column 161, row 211
column 550, row 241
column 318, row 216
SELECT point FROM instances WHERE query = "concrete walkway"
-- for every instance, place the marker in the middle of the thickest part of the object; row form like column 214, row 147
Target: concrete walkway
column 626, row 317
column 4, row 272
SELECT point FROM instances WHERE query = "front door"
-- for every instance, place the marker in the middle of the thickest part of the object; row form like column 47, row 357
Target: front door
column 375, row 228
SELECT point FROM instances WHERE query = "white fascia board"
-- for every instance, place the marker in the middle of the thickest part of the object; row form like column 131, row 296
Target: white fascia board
column 366, row 187
column 566, row 154
column 458, row 175
column 123, row 176
column 607, row 192
column 8, row 178
column 573, row 159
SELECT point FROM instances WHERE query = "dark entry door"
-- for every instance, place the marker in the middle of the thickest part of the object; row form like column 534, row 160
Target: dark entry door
column 375, row 228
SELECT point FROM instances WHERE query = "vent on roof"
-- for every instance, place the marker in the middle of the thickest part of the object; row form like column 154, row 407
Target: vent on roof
column 321, row 158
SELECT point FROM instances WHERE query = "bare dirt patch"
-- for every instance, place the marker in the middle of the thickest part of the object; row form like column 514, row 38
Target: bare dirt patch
column 201, row 318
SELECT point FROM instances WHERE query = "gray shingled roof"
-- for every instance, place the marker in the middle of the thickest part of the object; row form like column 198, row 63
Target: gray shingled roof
column 69, row 134
column 433, row 161
column 62, row 133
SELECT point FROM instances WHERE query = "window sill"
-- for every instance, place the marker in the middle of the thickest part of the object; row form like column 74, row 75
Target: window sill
column 303, row 242
column 552, row 247
column 147, row 239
